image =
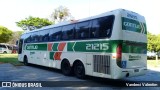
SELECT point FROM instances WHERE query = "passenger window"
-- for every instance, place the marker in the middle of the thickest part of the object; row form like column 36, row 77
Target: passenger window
column 25, row 38
column 35, row 37
column 44, row 36
column 55, row 34
column 94, row 32
column 82, row 30
column 32, row 37
column 106, row 24
column 102, row 27
column 68, row 32
column 28, row 38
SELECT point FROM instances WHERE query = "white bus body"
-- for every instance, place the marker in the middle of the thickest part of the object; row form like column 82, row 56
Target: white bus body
column 109, row 45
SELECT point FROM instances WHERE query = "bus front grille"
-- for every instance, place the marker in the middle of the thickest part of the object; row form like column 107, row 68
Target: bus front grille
column 101, row 64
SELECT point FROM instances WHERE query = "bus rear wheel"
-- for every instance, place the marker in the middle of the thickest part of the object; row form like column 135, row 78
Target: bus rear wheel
column 25, row 61
column 66, row 68
column 79, row 70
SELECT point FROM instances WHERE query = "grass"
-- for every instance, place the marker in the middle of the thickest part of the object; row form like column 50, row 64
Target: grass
column 153, row 63
column 10, row 58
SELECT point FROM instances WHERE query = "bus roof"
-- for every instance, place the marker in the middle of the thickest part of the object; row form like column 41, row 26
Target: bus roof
column 113, row 12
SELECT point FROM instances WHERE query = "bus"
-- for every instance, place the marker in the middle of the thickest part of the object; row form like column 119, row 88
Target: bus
column 109, row 45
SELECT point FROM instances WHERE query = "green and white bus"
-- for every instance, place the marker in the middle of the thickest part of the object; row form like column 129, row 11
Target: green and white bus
column 109, row 45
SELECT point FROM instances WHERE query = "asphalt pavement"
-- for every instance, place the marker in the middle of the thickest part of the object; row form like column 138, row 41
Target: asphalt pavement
column 34, row 73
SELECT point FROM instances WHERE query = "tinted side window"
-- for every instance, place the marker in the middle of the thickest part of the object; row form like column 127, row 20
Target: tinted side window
column 94, row 32
column 82, row 30
column 31, row 37
column 44, row 36
column 55, row 34
column 102, row 27
column 27, row 38
column 68, row 32
column 35, row 37
column 106, row 24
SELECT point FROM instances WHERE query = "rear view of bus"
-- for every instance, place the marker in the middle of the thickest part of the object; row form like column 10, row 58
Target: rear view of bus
column 131, row 57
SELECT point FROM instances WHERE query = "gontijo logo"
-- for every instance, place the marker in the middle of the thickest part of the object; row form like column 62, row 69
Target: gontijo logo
column 35, row 47
column 133, row 25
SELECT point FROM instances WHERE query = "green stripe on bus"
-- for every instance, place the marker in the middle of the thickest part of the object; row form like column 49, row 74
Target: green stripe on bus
column 51, row 55
column 104, row 46
column 70, row 46
column 107, row 46
column 93, row 46
column 133, row 25
column 55, row 46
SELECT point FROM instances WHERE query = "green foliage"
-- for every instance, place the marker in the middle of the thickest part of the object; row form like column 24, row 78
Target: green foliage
column 153, row 63
column 5, row 34
column 32, row 23
column 15, row 36
column 153, row 42
column 10, row 58
column 61, row 14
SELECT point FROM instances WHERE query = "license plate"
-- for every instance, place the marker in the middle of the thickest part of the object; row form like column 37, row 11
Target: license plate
column 136, row 70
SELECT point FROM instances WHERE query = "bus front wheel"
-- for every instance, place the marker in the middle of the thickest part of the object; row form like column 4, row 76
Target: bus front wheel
column 79, row 70
column 66, row 68
column 25, row 61
column 4, row 52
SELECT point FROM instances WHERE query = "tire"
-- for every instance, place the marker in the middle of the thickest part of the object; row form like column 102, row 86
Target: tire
column 4, row 52
column 79, row 70
column 66, row 68
column 25, row 61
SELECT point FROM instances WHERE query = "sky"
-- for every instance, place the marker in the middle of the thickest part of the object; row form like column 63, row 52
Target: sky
column 12, row 11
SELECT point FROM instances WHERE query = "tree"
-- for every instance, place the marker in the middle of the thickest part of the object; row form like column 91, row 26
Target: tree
column 32, row 23
column 153, row 42
column 61, row 14
column 5, row 34
column 15, row 36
